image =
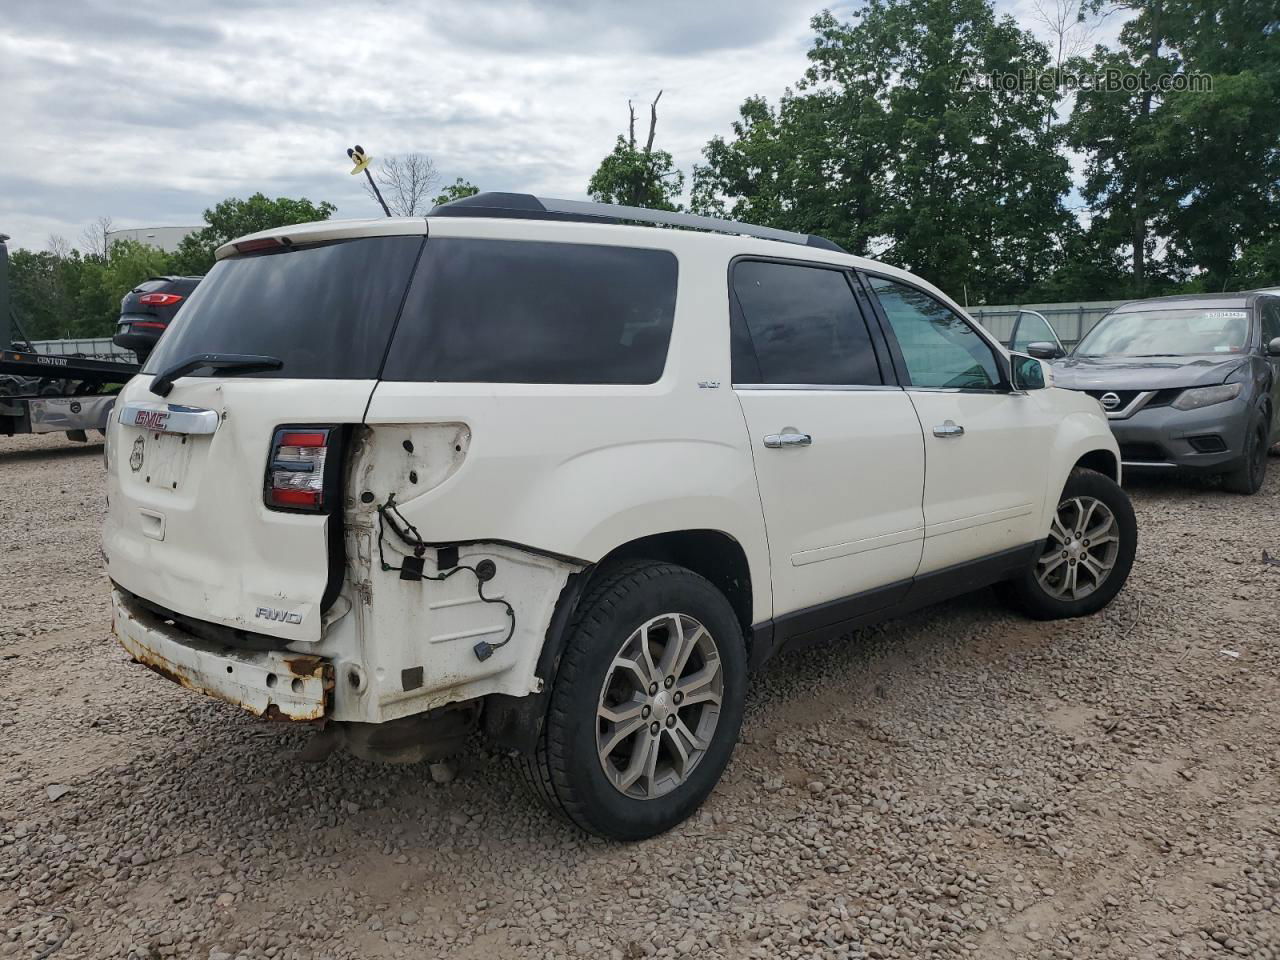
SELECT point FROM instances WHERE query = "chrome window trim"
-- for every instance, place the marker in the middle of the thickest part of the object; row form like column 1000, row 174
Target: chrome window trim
column 825, row 387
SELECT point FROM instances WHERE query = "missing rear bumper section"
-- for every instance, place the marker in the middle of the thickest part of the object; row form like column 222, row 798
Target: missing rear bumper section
column 274, row 684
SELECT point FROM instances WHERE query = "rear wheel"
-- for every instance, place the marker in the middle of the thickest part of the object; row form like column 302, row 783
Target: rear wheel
column 646, row 705
column 1248, row 476
column 1088, row 554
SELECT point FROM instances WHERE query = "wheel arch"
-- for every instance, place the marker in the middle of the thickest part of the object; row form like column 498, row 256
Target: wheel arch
column 715, row 555
column 1103, row 461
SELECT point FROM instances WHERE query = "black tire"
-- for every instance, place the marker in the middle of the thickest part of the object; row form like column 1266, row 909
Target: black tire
column 1250, row 473
column 1026, row 592
column 566, row 770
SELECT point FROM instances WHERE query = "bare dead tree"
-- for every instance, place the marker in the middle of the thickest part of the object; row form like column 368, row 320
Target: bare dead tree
column 1070, row 24
column 58, row 245
column 408, row 181
column 94, row 237
column 653, row 123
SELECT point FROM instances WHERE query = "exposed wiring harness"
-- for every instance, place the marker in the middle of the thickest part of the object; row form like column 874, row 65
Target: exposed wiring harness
column 389, row 515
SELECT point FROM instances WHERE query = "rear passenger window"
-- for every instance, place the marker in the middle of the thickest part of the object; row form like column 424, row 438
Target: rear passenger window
column 803, row 325
column 506, row 311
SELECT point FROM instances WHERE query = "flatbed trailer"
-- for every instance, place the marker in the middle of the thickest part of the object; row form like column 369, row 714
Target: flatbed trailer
column 38, row 401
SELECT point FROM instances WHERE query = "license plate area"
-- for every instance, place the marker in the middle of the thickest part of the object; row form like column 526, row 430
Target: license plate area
column 161, row 460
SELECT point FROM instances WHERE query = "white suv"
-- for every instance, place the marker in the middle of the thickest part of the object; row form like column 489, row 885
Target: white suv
column 527, row 467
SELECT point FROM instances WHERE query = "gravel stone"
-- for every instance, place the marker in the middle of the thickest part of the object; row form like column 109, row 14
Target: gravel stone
column 960, row 783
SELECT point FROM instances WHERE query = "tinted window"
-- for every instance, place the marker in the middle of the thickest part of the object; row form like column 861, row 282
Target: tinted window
column 939, row 347
column 505, row 311
column 325, row 310
column 1032, row 329
column 804, row 325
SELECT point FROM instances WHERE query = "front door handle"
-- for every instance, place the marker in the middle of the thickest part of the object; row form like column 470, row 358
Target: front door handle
column 789, row 437
column 948, row 428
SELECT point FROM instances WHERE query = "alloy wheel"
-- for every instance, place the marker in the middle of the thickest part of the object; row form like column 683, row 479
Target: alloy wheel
column 1081, row 550
column 659, row 706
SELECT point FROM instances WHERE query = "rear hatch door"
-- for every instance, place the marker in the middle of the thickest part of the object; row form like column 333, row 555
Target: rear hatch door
column 188, row 526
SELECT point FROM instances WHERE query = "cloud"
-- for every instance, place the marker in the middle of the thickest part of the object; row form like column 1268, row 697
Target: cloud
column 151, row 111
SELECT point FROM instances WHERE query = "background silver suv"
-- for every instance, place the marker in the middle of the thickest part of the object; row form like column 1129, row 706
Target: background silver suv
column 1188, row 382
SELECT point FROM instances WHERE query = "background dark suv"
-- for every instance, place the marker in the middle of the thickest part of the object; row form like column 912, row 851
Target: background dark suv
column 146, row 310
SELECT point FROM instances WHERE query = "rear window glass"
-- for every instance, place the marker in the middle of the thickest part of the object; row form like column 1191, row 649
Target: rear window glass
column 503, row 311
column 326, row 310
column 148, row 286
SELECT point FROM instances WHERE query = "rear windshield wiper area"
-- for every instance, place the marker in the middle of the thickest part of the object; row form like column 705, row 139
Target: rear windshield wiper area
column 231, row 362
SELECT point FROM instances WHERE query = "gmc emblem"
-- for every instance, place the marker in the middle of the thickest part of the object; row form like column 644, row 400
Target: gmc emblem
column 151, row 419
column 280, row 616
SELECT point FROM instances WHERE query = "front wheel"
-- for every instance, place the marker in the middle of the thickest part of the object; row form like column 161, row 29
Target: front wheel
column 1249, row 474
column 646, row 705
column 1086, row 558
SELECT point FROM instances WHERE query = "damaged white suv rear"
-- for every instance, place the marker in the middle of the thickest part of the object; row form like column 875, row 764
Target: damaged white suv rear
column 526, row 467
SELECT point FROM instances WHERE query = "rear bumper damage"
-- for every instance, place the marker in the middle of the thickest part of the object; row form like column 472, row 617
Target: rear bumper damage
column 273, row 684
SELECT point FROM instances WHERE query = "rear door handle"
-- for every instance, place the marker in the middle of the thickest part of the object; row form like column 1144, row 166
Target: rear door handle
column 948, row 428
column 789, row 437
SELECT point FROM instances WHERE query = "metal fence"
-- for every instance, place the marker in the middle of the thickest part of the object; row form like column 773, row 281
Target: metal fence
column 100, row 347
column 1071, row 320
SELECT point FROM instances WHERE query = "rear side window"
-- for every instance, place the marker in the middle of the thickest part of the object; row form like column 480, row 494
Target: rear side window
column 507, row 311
column 325, row 310
column 804, row 327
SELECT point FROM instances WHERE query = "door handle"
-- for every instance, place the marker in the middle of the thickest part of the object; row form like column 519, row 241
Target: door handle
column 948, row 428
column 789, row 437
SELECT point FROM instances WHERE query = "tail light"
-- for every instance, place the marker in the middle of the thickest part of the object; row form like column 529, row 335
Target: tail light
column 160, row 299
column 296, row 471
column 147, row 324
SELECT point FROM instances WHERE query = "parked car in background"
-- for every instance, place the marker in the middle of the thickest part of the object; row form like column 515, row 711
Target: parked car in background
column 1034, row 335
column 1189, row 382
column 523, row 466
column 146, row 310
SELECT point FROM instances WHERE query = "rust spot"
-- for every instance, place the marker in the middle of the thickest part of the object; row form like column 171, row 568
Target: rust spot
column 304, row 665
column 274, row 714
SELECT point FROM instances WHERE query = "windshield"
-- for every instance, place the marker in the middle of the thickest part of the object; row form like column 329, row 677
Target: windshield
column 325, row 310
column 1167, row 333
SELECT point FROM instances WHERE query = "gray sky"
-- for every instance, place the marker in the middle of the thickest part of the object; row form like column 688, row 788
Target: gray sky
column 149, row 111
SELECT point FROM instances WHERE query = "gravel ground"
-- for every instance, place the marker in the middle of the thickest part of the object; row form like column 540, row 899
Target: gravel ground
column 961, row 782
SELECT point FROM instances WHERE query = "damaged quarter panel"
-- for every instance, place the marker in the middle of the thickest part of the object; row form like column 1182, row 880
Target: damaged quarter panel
column 542, row 479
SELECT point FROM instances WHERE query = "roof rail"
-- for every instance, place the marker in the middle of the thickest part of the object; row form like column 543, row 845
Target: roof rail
column 525, row 206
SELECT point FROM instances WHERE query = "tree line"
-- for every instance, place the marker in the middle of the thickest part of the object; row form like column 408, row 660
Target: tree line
column 897, row 144
column 903, row 141
column 63, row 292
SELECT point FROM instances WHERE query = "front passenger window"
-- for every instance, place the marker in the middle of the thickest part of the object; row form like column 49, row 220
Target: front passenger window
column 939, row 347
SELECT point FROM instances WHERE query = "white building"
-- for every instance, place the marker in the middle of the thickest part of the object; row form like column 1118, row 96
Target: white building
column 164, row 238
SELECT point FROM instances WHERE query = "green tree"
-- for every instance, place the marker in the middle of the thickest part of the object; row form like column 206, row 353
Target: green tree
column 58, row 295
column 234, row 218
column 1183, row 181
column 889, row 147
column 456, row 191
column 638, row 176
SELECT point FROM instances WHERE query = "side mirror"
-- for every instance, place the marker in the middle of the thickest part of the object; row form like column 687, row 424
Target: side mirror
column 1273, row 348
column 1027, row 372
column 1044, row 350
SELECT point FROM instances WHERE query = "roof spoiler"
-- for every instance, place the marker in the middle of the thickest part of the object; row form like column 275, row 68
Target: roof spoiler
column 525, row 206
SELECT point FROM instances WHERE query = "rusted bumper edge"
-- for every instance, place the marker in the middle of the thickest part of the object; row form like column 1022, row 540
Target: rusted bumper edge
column 276, row 685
